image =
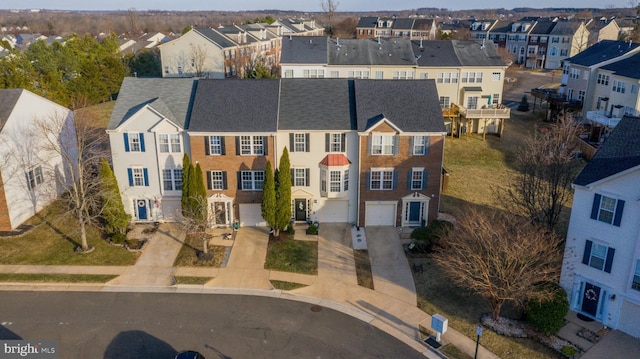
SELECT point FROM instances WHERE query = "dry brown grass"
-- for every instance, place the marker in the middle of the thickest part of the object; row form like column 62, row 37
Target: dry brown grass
column 363, row 268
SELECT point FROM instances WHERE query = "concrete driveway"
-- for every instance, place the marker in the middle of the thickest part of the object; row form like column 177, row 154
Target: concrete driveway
column 391, row 272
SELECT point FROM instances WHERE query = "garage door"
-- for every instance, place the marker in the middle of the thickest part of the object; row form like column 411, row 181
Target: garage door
column 333, row 211
column 251, row 215
column 629, row 319
column 170, row 208
column 380, row 214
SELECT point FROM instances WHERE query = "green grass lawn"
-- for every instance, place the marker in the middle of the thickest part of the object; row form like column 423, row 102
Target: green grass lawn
column 289, row 255
column 52, row 242
column 188, row 255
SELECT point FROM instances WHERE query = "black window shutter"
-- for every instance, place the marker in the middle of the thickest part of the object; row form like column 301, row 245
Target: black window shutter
column 595, row 208
column 306, row 177
column 207, row 146
column 427, row 145
column 326, row 142
column 265, row 145
column 209, row 185
column 292, row 147
column 425, row 175
column 238, row 145
column 342, row 142
column 368, row 175
column 412, row 151
column 619, row 209
column 587, row 252
column 293, row 179
column 224, row 179
column 222, row 147
column 609, row 261
column 306, row 142
column 239, row 180
column 409, row 179
column 395, row 180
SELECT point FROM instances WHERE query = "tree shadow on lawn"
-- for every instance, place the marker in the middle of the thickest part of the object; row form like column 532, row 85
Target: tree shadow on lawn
column 58, row 231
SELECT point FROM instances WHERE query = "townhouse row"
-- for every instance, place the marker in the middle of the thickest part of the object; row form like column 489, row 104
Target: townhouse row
column 364, row 152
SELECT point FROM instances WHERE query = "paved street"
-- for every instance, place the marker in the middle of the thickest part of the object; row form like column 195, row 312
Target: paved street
column 156, row 325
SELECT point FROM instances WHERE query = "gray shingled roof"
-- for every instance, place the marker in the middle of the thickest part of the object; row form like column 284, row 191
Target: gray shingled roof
column 304, row 50
column 565, row 28
column 411, row 105
column 474, row 53
column 317, row 104
column 543, row 27
column 175, row 95
column 435, row 53
column 502, row 26
column 235, row 106
column 620, row 152
column 367, row 21
column 370, row 52
column 8, row 100
column 629, row 67
column 402, row 24
column 215, row 37
column 602, row 51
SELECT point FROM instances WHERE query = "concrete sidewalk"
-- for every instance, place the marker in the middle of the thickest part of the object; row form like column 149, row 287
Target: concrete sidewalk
column 391, row 307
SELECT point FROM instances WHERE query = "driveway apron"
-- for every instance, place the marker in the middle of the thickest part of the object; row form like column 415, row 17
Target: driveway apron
column 389, row 266
column 154, row 268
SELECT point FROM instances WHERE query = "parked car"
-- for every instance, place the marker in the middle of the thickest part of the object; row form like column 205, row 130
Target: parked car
column 189, row 354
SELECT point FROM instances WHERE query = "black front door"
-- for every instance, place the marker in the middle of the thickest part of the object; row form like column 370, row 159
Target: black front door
column 590, row 299
column 301, row 209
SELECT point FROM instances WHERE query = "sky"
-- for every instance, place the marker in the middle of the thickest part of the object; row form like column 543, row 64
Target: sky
column 302, row 5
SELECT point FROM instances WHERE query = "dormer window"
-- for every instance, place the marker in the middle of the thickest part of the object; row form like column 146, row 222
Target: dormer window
column 514, row 27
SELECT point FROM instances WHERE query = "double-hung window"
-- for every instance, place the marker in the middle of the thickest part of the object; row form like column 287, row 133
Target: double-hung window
column 170, row 143
column 133, row 142
column 335, row 142
column 335, row 181
column 251, row 180
column 300, row 177
column 607, row 209
column 34, row 177
column 598, row 256
column 381, row 179
column 215, row 145
column 172, row 179
column 299, row 142
column 138, row 177
column 420, row 145
column 252, row 145
column 217, row 180
column 382, row 144
column 417, row 179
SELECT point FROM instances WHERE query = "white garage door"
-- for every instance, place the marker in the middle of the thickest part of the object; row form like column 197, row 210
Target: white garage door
column 380, row 214
column 333, row 211
column 629, row 319
column 170, row 208
column 251, row 215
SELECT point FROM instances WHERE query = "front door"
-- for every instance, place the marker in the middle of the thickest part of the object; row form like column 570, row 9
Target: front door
column 301, row 209
column 414, row 212
column 590, row 299
column 141, row 205
column 219, row 213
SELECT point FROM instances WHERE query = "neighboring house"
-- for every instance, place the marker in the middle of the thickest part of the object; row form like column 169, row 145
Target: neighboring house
column 602, row 29
column 297, row 27
column 568, row 38
column 25, row 40
column 468, row 74
column 582, row 80
column 148, row 140
column 28, row 172
column 145, row 41
column 361, row 151
column 410, row 28
column 601, row 267
column 219, row 53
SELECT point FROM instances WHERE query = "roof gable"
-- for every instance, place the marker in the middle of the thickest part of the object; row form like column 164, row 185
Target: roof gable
column 602, row 51
column 8, row 100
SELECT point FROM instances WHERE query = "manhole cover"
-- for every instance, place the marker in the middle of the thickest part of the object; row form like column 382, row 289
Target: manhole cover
column 316, row 308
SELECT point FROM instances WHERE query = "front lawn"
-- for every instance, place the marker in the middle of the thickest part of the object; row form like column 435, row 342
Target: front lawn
column 53, row 239
column 188, row 255
column 289, row 255
column 55, row 278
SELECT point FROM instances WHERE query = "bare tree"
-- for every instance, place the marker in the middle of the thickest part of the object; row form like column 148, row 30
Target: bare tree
column 547, row 165
column 80, row 145
column 195, row 223
column 501, row 257
column 199, row 60
column 330, row 7
column 133, row 21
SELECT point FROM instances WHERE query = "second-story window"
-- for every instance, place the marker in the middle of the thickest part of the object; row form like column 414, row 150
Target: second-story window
column 170, row 143
column 420, row 145
column 252, row 145
column 382, row 144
